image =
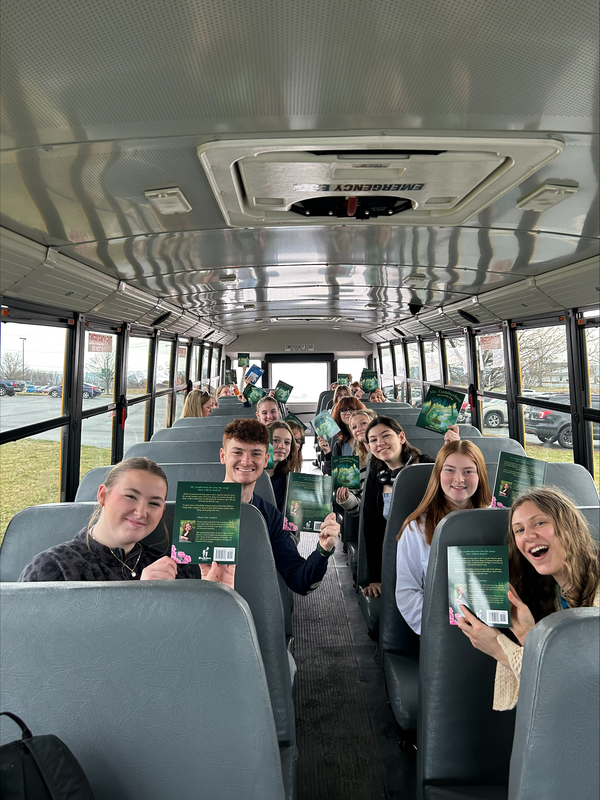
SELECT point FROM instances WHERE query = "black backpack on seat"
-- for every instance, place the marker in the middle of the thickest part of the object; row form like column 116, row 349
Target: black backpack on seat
column 40, row 768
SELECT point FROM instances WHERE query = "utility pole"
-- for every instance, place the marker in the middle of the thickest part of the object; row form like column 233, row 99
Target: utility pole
column 23, row 339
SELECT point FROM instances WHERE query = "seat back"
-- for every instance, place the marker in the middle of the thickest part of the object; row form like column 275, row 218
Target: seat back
column 413, row 432
column 236, row 412
column 395, row 635
column 391, row 404
column 324, row 398
column 211, row 472
column 460, row 740
column 575, row 481
column 592, row 517
column 144, row 682
column 556, row 744
column 177, row 452
column 201, row 421
column 190, row 433
column 228, row 401
column 36, row 529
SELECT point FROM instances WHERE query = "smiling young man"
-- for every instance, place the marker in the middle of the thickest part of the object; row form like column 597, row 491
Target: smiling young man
column 245, row 453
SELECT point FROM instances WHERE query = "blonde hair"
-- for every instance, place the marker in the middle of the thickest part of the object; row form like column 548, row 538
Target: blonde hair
column 361, row 449
column 581, row 555
column 293, row 463
column 194, row 403
column 221, row 389
column 140, row 463
column 267, row 399
column 435, row 505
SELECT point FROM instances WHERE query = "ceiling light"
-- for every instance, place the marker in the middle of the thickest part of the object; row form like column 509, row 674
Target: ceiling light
column 469, row 317
column 228, row 278
column 546, row 196
column 440, row 310
column 336, row 327
column 249, row 306
column 594, row 312
column 264, row 329
column 475, row 300
column 169, row 201
column 415, row 278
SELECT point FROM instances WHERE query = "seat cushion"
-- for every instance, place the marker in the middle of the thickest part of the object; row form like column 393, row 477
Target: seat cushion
column 289, row 756
column 370, row 610
column 402, row 681
column 465, row 792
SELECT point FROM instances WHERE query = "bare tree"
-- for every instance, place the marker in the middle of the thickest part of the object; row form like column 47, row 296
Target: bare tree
column 542, row 351
column 11, row 366
column 102, row 370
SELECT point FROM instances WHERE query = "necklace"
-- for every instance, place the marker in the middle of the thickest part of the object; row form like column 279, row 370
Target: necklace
column 132, row 570
column 137, row 561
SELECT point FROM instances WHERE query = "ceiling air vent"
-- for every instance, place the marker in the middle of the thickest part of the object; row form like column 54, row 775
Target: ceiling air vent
column 369, row 180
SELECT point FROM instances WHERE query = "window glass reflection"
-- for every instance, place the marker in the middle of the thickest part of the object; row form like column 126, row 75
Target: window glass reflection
column 548, row 434
column 161, row 411
column 414, row 364
column 490, row 362
column 163, row 364
column 135, row 424
column 181, row 359
column 137, row 366
column 99, row 365
column 543, row 357
column 96, row 442
column 432, row 361
column 399, row 359
column 456, row 358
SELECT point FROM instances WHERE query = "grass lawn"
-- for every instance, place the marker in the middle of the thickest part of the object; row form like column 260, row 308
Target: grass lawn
column 30, row 474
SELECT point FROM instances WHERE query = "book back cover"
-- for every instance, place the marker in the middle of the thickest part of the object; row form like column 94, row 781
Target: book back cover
column 206, row 526
column 478, row 579
column 516, row 474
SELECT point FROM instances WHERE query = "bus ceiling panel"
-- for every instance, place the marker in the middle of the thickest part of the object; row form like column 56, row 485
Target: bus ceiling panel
column 146, row 69
column 91, row 193
column 77, row 194
column 501, row 251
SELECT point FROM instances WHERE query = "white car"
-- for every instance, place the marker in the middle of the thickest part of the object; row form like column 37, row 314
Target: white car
column 495, row 412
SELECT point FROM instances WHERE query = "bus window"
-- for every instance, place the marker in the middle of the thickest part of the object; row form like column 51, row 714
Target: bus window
column 308, row 379
column 137, row 366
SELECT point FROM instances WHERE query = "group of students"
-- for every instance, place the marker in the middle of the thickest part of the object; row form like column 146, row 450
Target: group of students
column 554, row 562
column 553, row 559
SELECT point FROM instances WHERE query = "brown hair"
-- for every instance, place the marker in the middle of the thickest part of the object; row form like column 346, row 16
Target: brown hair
column 221, row 389
column 361, row 449
column 581, row 556
column 248, row 431
column 267, row 399
column 140, row 463
column 341, row 391
column 295, row 426
column 292, row 463
column 407, row 453
column 345, row 404
column 435, row 505
column 194, row 403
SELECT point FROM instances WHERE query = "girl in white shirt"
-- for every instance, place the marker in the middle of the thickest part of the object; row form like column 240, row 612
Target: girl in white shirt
column 459, row 480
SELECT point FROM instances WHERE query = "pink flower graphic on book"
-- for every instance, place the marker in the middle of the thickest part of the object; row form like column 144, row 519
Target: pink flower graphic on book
column 289, row 526
column 496, row 504
column 179, row 556
column 453, row 619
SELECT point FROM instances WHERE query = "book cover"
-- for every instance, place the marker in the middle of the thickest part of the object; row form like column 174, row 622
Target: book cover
column 478, row 578
column 516, row 474
column 283, row 391
column 324, row 425
column 440, row 409
column 345, row 471
column 293, row 418
column 230, row 376
column 369, row 380
column 243, row 359
column 343, row 380
column 308, row 500
column 206, row 527
column 253, row 393
column 253, row 374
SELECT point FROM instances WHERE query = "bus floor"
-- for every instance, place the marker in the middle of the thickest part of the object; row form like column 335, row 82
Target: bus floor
column 347, row 739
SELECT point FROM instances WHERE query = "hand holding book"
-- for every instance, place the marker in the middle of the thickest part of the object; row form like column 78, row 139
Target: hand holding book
column 329, row 532
column 219, row 573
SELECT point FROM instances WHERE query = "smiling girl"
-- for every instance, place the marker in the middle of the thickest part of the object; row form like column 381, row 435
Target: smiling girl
column 459, row 480
column 285, row 458
column 358, row 422
column 553, row 564
column 390, row 452
column 344, row 440
column 131, row 502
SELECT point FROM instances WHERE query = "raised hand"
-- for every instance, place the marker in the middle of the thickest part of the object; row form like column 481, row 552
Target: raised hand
column 218, row 573
column 330, row 530
column 521, row 618
column 165, row 569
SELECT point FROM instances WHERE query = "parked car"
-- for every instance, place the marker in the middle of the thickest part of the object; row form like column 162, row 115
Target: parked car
column 554, row 426
column 495, row 412
column 89, row 390
column 7, row 388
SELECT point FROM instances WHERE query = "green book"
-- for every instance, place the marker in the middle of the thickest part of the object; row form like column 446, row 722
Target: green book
column 343, row 380
column 345, row 471
column 271, row 461
column 516, row 474
column 243, row 359
column 230, row 376
column 283, row 391
column 206, row 527
column 293, row 418
column 478, row 579
column 253, row 393
column 440, row 409
column 308, row 501
column 324, row 425
column 369, row 380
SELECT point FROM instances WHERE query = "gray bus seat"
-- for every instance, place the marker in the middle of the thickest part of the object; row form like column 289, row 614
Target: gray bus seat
column 211, row 472
column 324, row 398
column 398, row 643
column 144, row 683
column 575, row 481
column 234, row 413
column 192, row 422
column 389, row 404
column 462, row 744
column 177, row 452
column 556, row 744
column 592, row 517
column 190, row 433
column 36, row 529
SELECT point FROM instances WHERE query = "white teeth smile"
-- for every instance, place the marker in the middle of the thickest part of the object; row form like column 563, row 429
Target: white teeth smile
column 539, row 550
